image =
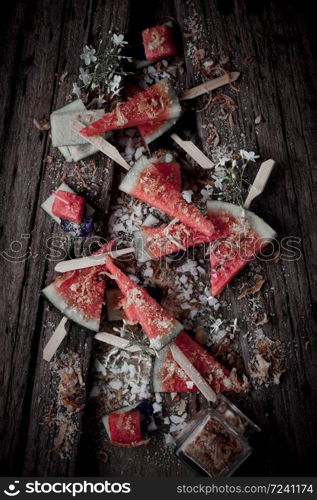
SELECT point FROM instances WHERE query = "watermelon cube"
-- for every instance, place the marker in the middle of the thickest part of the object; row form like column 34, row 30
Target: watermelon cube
column 124, row 427
column 159, row 42
column 68, row 206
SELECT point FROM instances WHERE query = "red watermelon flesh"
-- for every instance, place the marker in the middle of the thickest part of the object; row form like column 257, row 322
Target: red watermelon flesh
column 159, row 42
column 247, row 234
column 156, row 242
column 151, row 130
column 147, row 182
column 125, row 427
column 79, row 294
column 157, row 323
column 157, row 103
column 68, row 206
column 169, row 376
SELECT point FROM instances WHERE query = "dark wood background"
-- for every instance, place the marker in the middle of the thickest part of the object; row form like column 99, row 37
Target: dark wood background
column 41, row 38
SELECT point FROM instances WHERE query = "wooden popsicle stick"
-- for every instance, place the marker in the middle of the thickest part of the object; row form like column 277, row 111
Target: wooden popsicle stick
column 192, row 373
column 101, row 144
column 56, row 339
column 210, row 85
column 194, row 152
column 91, row 261
column 259, row 182
column 111, row 339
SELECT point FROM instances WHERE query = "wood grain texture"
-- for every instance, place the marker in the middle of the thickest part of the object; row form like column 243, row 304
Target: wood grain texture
column 273, row 45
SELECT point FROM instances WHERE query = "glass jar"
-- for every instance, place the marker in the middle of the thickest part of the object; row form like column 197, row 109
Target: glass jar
column 215, row 442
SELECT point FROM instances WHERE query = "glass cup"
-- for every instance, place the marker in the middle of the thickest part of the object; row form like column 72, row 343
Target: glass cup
column 215, row 442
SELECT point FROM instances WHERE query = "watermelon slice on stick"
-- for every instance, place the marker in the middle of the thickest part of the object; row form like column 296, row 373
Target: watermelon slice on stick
column 151, row 130
column 157, row 103
column 79, row 295
column 156, row 242
column 158, row 324
column 168, row 376
column 101, row 144
column 124, row 427
column 192, row 373
column 247, row 235
column 150, row 180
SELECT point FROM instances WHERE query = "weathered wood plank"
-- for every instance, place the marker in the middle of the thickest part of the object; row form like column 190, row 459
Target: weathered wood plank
column 34, row 57
column 272, row 44
column 81, row 23
column 278, row 83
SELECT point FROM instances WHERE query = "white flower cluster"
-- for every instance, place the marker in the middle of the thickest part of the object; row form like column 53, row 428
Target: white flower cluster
column 102, row 69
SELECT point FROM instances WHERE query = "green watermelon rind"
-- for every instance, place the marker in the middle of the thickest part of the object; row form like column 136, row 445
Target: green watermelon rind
column 158, row 343
column 265, row 232
column 157, row 366
column 165, row 126
column 70, row 312
column 142, row 253
column 62, row 134
column 129, row 182
column 47, row 205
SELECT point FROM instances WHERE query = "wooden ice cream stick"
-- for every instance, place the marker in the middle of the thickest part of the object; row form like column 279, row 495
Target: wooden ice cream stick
column 192, row 373
column 194, row 152
column 116, row 341
column 55, row 340
column 213, row 84
column 259, row 182
column 91, row 261
column 101, row 144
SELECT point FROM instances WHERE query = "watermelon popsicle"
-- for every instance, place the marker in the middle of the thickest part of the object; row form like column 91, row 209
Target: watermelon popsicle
column 168, row 376
column 158, row 324
column 79, row 294
column 153, row 243
column 150, row 180
column 247, row 235
column 151, row 130
column 155, row 104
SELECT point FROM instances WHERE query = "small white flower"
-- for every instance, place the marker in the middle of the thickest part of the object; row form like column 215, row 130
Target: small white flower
column 84, row 76
column 119, row 40
column 100, row 100
column 224, row 160
column 206, row 192
column 248, row 155
column 114, row 85
column 76, row 90
column 88, row 55
column 218, row 182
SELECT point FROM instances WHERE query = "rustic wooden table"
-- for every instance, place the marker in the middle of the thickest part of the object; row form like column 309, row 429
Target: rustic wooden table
column 272, row 43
